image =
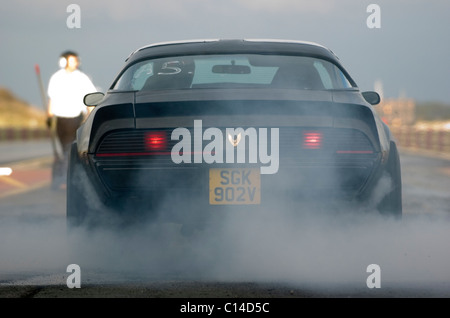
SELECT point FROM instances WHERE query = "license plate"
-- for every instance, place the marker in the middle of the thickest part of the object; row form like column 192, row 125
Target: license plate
column 234, row 186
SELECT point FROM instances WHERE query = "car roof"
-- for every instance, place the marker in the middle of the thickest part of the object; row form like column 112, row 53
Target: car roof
column 212, row 46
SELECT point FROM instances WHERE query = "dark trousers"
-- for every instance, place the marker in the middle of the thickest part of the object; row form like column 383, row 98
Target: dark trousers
column 66, row 129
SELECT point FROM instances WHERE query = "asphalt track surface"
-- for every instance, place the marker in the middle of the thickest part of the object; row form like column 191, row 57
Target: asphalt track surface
column 246, row 259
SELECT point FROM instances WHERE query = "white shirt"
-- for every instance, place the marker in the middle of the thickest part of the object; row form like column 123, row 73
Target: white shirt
column 66, row 92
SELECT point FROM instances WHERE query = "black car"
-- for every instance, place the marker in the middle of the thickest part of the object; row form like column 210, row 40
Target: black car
column 191, row 130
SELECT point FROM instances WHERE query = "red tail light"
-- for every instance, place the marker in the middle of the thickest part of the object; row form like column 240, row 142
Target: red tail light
column 156, row 140
column 312, row 140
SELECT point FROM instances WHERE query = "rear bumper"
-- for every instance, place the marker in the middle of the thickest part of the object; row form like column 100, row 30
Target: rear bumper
column 142, row 187
column 344, row 168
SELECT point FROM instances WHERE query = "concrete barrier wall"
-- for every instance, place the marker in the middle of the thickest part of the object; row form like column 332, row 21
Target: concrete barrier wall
column 16, row 134
column 428, row 139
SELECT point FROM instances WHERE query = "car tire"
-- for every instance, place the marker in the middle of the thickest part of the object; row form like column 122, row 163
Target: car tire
column 77, row 208
column 391, row 204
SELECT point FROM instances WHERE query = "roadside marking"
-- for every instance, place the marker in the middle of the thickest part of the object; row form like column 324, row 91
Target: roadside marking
column 13, row 182
column 27, row 175
column 5, row 171
column 26, row 189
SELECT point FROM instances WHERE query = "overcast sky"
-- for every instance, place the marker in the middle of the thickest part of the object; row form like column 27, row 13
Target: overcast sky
column 409, row 53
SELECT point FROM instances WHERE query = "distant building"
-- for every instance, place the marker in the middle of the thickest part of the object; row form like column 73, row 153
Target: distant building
column 397, row 111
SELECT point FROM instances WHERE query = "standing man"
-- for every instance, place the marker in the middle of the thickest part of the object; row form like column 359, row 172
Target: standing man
column 66, row 90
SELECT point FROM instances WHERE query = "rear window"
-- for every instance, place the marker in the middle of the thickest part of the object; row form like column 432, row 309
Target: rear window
column 233, row 71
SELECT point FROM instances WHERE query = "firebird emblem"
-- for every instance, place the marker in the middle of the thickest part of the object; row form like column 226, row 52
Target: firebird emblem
column 236, row 141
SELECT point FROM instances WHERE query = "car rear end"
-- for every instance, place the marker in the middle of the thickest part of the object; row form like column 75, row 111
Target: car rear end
column 232, row 126
column 323, row 151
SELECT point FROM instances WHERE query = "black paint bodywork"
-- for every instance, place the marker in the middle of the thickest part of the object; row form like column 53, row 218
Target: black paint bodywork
column 119, row 183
